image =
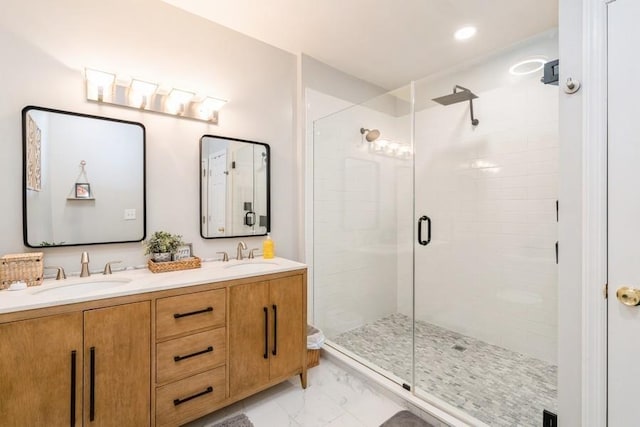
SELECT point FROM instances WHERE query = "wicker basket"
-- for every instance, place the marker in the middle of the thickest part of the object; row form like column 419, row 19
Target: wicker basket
column 313, row 358
column 183, row 264
column 27, row 267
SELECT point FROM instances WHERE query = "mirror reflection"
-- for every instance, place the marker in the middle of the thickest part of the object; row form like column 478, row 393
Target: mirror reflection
column 83, row 179
column 234, row 187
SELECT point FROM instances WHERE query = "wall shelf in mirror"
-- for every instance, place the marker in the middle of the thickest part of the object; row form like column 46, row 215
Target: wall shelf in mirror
column 95, row 211
column 234, row 187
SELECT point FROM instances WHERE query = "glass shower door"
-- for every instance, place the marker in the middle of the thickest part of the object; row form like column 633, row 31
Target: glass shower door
column 486, row 284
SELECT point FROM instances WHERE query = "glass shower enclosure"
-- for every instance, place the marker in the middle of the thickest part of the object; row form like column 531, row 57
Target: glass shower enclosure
column 434, row 237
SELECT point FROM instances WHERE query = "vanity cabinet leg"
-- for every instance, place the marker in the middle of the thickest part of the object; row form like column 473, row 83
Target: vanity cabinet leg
column 303, row 378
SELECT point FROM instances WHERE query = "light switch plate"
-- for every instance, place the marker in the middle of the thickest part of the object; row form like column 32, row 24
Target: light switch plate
column 129, row 214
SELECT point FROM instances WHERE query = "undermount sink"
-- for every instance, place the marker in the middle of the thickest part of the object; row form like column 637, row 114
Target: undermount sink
column 79, row 288
column 250, row 266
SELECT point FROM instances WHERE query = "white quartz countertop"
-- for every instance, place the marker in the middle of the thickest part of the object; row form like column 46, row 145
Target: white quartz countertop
column 130, row 282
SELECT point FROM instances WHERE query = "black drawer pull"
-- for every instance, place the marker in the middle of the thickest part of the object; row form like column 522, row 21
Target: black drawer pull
column 275, row 330
column 92, row 384
column 191, row 313
column 266, row 333
column 197, row 353
column 177, row 402
column 73, row 388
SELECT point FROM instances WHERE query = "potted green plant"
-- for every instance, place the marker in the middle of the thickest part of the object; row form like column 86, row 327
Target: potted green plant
column 161, row 245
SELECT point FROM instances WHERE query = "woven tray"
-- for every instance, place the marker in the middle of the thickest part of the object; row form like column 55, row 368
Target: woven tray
column 27, row 267
column 183, row 264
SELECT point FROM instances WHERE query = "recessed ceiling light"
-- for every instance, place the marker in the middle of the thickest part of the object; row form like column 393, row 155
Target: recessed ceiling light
column 465, row 33
column 527, row 66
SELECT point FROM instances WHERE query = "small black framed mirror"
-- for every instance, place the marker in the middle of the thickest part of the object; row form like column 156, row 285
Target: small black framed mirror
column 83, row 179
column 234, row 187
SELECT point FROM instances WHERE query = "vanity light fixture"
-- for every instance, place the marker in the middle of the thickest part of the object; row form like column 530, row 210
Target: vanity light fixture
column 113, row 89
column 99, row 83
column 140, row 92
column 178, row 100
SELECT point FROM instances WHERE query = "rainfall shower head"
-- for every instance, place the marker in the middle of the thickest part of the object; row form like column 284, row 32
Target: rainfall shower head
column 455, row 97
column 370, row 135
column 459, row 96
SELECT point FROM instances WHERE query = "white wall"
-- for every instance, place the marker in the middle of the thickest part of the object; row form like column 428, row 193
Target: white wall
column 45, row 45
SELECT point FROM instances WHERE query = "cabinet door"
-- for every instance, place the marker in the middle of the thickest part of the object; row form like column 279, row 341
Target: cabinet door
column 117, row 365
column 288, row 326
column 248, row 340
column 37, row 382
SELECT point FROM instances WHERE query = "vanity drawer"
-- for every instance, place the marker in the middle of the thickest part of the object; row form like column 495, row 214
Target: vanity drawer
column 184, row 313
column 194, row 353
column 188, row 399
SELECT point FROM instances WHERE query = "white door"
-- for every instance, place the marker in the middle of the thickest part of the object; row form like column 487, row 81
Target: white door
column 624, row 212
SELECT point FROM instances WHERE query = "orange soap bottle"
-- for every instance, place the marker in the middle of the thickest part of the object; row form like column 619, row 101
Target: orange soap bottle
column 268, row 248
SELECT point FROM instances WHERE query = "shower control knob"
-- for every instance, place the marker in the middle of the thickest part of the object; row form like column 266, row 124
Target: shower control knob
column 628, row 296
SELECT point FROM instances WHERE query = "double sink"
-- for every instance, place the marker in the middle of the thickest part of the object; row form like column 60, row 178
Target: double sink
column 77, row 287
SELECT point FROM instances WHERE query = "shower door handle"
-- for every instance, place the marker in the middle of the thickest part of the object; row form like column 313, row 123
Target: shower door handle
column 420, row 221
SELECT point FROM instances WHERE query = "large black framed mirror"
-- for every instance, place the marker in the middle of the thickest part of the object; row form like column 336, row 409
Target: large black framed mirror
column 234, row 187
column 83, row 179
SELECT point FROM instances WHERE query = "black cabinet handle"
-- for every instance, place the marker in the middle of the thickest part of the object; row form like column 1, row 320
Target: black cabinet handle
column 177, row 402
column 73, row 388
column 197, row 353
column 191, row 313
column 556, row 252
column 424, row 242
column 275, row 329
column 266, row 333
column 92, row 384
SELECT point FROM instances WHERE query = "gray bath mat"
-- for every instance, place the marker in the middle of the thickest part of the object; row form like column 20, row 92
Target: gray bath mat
column 405, row 419
column 236, row 421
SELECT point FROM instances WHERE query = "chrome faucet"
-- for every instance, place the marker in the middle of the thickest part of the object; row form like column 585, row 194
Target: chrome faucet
column 107, row 267
column 84, row 260
column 241, row 246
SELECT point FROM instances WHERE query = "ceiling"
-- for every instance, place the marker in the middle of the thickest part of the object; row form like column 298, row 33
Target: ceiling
column 385, row 42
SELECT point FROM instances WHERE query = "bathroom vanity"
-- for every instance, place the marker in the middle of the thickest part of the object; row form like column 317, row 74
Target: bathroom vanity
column 140, row 349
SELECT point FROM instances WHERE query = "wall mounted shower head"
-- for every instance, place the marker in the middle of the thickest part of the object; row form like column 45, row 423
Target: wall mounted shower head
column 370, row 135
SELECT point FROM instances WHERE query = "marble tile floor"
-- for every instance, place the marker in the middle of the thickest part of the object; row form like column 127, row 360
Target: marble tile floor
column 495, row 385
column 334, row 397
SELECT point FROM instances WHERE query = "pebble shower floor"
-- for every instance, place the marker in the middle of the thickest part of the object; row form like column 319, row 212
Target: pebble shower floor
column 497, row 386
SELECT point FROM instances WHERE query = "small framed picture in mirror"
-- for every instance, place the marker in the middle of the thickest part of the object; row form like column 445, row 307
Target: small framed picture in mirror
column 83, row 190
column 183, row 252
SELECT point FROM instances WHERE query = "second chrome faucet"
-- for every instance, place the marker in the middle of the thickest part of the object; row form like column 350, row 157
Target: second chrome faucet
column 84, row 260
column 241, row 246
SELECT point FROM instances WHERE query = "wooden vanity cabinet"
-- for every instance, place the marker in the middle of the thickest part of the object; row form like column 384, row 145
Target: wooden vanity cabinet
column 191, row 355
column 41, row 371
column 267, row 338
column 90, row 366
column 117, row 365
column 156, row 359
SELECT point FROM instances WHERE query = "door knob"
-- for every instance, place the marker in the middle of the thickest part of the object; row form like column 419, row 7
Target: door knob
column 628, row 296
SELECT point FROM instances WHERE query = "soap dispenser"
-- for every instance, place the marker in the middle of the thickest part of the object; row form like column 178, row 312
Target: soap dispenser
column 268, row 251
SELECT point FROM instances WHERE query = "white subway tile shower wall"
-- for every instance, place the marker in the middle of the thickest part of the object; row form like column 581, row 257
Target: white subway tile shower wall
column 490, row 270
column 355, row 219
